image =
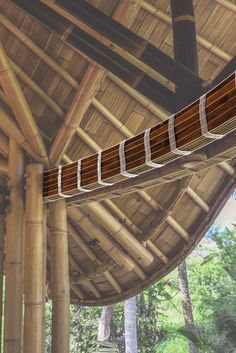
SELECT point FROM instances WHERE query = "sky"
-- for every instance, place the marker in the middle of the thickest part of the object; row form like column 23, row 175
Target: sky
column 228, row 214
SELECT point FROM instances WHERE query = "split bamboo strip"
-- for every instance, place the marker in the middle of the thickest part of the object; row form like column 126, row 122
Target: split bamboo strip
column 201, row 40
column 88, row 87
column 60, row 277
column 4, row 148
column 14, row 252
column 20, row 107
column 34, row 263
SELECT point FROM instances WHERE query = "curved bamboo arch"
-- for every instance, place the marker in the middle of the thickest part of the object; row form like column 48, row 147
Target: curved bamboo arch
column 202, row 122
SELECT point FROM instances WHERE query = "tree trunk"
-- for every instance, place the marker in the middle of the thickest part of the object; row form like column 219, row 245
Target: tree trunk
column 104, row 328
column 186, row 301
column 131, row 344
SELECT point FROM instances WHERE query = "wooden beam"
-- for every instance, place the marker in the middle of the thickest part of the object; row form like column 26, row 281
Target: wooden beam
column 90, row 83
column 34, row 263
column 20, row 107
column 14, row 253
column 201, row 40
column 60, row 277
column 227, row 70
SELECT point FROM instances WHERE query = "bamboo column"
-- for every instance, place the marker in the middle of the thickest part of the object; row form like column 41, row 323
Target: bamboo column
column 34, row 263
column 14, row 247
column 2, row 241
column 60, row 277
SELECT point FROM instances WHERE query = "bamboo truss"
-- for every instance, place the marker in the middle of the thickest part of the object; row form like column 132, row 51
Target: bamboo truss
column 34, row 263
column 60, row 277
column 14, row 252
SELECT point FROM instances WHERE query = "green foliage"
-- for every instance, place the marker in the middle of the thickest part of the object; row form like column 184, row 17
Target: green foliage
column 160, row 323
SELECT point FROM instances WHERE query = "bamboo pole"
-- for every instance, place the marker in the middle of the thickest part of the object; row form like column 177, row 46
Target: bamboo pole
column 20, row 107
column 8, row 126
column 90, row 83
column 2, row 246
column 60, row 277
column 3, row 145
column 34, row 263
column 3, row 167
column 14, row 247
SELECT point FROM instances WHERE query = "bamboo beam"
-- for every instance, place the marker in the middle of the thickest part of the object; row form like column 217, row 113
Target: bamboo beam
column 87, row 282
column 20, row 107
column 93, row 257
column 157, row 252
column 144, row 194
column 90, row 83
column 38, row 51
column 120, row 233
column 34, row 263
column 227, row 168
column 14, row 252
column 106, row 243
column 227, row 4
column 11, row 130
column 201, row 40
column 2, row 248
column 197, row 199
column 60, row 277
column 4, row 145
column 3, row 167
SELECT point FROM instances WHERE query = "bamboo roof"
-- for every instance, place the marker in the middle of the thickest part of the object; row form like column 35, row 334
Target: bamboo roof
column 80, row 108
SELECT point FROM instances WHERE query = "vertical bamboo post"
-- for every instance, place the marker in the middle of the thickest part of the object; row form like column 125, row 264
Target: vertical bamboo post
column 14, row 241
column 60, row 277
column 34, row 262
column 2, row 241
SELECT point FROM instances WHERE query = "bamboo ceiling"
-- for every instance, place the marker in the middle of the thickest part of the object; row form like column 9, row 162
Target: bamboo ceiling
column 123, row 242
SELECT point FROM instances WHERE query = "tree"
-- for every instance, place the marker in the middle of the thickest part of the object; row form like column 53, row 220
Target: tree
column 131, row 344
column 104, row 327
column 186, row 301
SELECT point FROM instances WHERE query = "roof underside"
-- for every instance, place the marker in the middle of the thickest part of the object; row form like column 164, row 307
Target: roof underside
column 168, row 220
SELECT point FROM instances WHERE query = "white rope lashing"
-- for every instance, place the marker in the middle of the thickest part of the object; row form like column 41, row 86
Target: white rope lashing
column 172, row 139
column 59, row 183
column 148, row 152
column 79, row 187
column 99, row 171
column 203, row 120
column 123, row 162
